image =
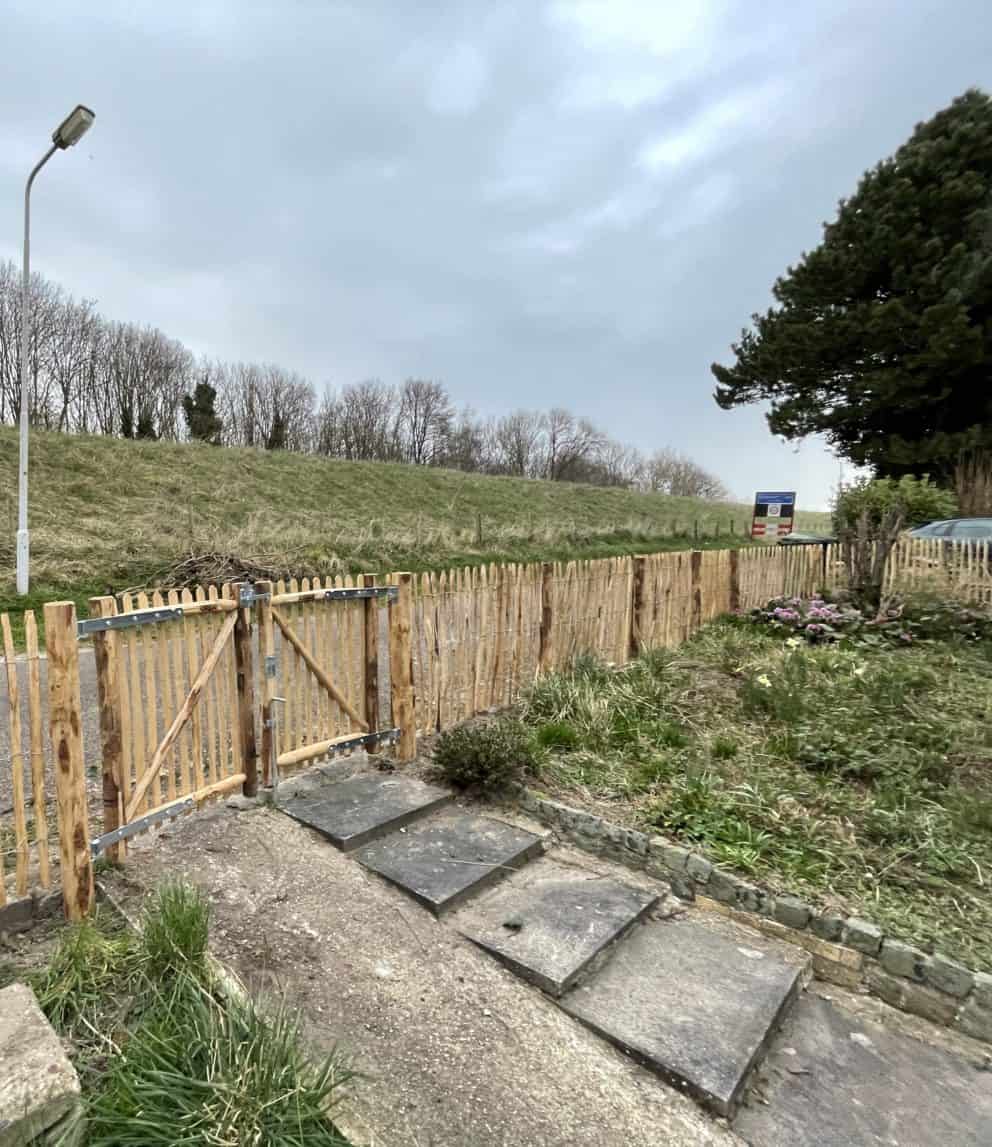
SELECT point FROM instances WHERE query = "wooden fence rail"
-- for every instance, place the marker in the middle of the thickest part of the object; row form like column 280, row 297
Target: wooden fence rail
column 188, row 705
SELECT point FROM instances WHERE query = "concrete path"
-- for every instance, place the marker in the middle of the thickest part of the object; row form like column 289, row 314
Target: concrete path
column 456, row 1051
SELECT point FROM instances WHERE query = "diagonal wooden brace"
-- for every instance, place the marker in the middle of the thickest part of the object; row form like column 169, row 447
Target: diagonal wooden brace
column 322, row 678
column 184, row 714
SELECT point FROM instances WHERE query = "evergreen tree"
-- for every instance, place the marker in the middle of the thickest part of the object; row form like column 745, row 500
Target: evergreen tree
column 882, row 336
column 202, row 419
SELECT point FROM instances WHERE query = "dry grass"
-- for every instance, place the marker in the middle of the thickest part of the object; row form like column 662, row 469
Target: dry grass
column 114, row 513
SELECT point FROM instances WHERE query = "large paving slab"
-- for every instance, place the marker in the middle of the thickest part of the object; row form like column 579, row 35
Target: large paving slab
column 832, row 1079
column 694, row 998
column 38, row 1084
column 550, row 922
column 352, row 812
column 450, row 1050
column 441, row 861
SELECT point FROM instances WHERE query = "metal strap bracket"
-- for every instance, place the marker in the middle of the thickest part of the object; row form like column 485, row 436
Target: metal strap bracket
column 248, row 596
column 389, row 592
column 132, row 828
column 93, row 625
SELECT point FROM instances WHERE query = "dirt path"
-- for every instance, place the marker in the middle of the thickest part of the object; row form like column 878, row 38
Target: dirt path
column 455, row 1051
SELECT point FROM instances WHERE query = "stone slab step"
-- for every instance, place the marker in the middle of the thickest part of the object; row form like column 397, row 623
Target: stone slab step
column 552, row 921
column 442, row 861
column 833, row 1078
column 694, row 998
column 362, row 808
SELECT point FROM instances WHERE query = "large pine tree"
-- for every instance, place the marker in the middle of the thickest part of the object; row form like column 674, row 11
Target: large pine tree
column 882, row 336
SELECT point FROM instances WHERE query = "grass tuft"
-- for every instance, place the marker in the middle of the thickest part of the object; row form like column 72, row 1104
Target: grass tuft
column 174, row 931
column 163, row 1058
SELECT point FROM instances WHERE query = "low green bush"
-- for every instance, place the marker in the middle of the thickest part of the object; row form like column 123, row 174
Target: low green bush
column 486, row 756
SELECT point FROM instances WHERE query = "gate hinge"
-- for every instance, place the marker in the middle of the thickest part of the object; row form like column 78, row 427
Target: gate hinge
column 248, row 595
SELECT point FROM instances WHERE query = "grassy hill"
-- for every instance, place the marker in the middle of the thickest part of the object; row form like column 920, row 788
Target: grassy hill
column 106, row 514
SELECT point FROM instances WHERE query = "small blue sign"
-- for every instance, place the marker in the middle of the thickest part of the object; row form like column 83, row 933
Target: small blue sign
column 787, row 498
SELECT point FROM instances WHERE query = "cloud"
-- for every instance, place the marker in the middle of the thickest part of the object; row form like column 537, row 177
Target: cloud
column 575, row 204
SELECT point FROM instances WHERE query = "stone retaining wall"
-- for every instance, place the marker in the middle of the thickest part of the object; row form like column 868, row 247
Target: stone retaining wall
column 848, row 951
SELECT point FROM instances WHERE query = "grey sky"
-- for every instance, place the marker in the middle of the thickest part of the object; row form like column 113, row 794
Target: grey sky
column 540, row 204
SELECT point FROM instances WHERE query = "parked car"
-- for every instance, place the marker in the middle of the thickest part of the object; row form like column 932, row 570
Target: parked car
column 800, row 539
column 956, row 530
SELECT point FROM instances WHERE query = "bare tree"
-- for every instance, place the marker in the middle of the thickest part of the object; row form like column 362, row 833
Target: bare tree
column 424, row 421
column 668, row 472
column 518, row 440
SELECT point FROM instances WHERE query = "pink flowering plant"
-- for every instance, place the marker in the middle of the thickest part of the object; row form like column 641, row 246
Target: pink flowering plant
column 820, row 621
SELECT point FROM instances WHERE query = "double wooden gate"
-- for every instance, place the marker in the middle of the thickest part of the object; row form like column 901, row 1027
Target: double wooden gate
column 188, row 680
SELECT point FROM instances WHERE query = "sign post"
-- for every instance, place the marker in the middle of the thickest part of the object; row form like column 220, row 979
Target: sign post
column 774, row 513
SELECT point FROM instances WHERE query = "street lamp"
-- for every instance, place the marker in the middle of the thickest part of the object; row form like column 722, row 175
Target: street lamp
column 69, row 132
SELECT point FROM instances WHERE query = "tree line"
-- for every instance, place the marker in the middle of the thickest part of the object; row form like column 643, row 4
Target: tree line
column 97, row 376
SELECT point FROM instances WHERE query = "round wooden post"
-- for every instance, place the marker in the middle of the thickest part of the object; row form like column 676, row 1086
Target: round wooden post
column 637, row 603
column 545, row 657
column 244, row 668
column 108, row 684
column 371, row 653
column 65, row 723
column 401, row 665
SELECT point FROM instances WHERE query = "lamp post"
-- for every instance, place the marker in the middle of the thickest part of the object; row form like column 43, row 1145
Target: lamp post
column 69, row 132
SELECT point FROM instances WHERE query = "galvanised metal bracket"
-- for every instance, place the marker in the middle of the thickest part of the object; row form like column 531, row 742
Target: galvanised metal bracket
column 132, row 828
column 247, row 596
column 271, row 665
column 389, row 592
column 127, row 620
column 366, row 740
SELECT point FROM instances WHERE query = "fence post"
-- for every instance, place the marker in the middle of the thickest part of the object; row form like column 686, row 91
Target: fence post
column 244, row 668
column 267, row 647
column 368, row 581
column 105, row 654
column 401, row 665
column 544, row 656
column 65, row 722
column 696, row 578
column 735, row 581
column 637, row 604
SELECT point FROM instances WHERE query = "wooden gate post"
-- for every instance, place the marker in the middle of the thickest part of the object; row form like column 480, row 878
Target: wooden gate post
column 108, row 684
column 371, row 647
column 696, row 589
column 65, row 722
column 735, row 581
column 401, row 665
column 267, row 647
column 637, row 604
column 244, row 667
column 545, row 657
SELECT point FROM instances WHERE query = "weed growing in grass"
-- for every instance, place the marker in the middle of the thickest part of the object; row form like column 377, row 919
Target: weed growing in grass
column 856, row 774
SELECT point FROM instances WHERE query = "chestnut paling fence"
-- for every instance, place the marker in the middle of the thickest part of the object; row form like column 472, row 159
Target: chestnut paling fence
column 196, row 693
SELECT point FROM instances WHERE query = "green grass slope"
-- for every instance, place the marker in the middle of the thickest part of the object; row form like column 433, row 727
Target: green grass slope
column 107, row 513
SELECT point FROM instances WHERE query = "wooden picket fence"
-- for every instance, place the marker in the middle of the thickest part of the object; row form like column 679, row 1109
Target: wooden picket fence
column 217, row 692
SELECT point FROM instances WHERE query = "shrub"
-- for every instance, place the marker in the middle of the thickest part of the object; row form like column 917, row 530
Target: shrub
column 486, row 756
column 869, row 517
